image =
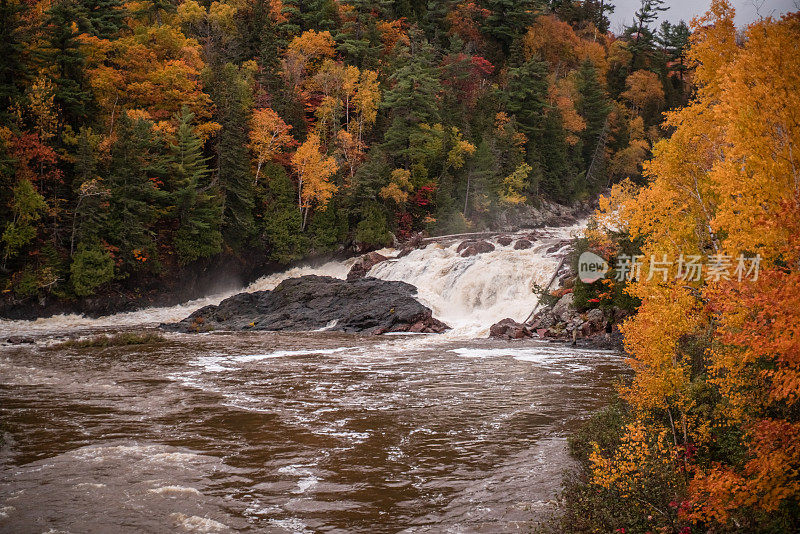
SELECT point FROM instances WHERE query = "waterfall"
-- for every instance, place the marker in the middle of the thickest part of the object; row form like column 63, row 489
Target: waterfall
column 469, row 294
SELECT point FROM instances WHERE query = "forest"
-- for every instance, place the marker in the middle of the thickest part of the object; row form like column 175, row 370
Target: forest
column 140, row 137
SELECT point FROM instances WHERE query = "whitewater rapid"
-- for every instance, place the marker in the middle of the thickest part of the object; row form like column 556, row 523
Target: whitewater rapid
column 469, row 294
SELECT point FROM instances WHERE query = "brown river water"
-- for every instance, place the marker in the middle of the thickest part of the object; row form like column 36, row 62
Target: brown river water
column 298, row 432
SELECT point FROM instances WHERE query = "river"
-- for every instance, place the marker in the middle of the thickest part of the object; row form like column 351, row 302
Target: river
column 308, row 432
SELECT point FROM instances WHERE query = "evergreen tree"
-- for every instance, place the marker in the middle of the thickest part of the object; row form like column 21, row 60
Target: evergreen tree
column 593, row 106
column 92, row 266
column 197, row 204
column 580, row 12
column 90, row 214
column 136, row 166
column 526, row 98
column 373, row 229
column 412, row 98
column 558, row 174
column 481, row 187
column 509, row 20
column 230, row 90
column 642, row 40
column 14, row 70
column 357, row 38
column 281, row 225
column 62, row 53
column 101, row 18
column 674, row 39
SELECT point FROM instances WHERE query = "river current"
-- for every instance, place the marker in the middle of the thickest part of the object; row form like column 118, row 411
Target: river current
column 301, row 432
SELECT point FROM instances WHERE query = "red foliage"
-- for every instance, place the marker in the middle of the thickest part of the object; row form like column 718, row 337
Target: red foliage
column 405, row 225
column 424, row 195
column 35, row 161
column 466, row 75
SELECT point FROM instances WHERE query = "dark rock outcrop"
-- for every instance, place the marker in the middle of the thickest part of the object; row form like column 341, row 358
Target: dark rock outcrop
column 509, row 329
column 471, row 248
column 522, row 244
column 504, row 240
column 314, row 302
column 364, row 264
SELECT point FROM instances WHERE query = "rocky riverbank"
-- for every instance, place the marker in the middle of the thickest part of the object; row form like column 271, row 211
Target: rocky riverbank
column 319, row 302
column 559, row 320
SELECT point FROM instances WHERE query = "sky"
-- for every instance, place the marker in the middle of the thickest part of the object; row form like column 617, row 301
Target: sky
column 746, row 10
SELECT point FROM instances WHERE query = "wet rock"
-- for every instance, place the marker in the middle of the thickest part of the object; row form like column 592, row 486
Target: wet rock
column 522, row 244
column 504, row 240
column 596, row 318
column 415, row 241
column 20, row 340
column 471, row 248
column 509, row 329
column 558, row 246
column 405, row 251
column 364, row 264
column 314, row 302
column 587, row 329
column 564, row 310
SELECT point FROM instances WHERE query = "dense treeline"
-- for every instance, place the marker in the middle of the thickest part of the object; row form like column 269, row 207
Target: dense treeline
column 708, row 436
column 139, row 136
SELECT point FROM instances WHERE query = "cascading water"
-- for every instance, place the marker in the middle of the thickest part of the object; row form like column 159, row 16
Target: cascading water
column 469, row 294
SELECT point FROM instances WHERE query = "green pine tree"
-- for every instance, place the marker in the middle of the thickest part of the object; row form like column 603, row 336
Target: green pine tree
column 593, row 106
column 230, row 90
column 197, row 203
column 62, row 53
column 413, row 96
column 101, row 18
column 14, row 67
column 90, row 214
column 509, row 20
column 136, row 166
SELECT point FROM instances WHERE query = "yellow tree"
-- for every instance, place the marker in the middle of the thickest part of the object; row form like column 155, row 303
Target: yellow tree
column 269, row 136
column 305, row 55
column 313, row 170
column 726, row 183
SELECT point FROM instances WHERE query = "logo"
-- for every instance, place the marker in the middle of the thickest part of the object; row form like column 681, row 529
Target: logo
column 591, row 267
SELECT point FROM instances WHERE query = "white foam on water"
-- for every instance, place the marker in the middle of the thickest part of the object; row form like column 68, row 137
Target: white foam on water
column 542, row 354
column 196, row 523
column 174, row 490
column 225, row 362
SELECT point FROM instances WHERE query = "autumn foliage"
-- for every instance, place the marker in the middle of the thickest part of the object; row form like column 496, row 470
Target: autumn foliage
column 717, row 361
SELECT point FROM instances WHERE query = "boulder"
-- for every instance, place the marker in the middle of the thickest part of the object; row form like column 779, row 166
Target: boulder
column 596, row 318
column 509, row 329
column 471, row 248
column 405, row 251
column 504, row 240
column 557, row 246
column 361, row 267
column 313, row 302
column 564, row 310
column 522, row 244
